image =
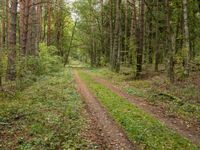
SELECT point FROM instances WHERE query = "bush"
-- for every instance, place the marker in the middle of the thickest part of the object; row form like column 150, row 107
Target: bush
column 3, row 64
column 195, row 64
column 28, row 69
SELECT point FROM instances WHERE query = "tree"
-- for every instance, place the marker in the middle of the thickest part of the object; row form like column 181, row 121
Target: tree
column 186, row 47
column 117, row 38
column 168, row 46
column 140, row 42
column 11, row 72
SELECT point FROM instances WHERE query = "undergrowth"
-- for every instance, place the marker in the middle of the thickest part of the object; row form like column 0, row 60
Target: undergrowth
column 46, row 115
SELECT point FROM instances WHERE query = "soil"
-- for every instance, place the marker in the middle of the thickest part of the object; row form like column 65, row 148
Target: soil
column 191, row 132
column 106, row 133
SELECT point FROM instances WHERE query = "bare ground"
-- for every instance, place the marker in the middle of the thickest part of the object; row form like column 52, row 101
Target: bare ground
column 191, row 132
column 111, row 134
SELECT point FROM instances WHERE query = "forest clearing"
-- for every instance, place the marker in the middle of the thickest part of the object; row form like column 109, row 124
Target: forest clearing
column 99, row 75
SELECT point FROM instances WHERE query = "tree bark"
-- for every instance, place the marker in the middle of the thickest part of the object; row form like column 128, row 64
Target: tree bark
column 11, row 72
column 49, row 12
column 117, row 39
column 169, row 49
column 3, row 23
column 140, row 36
column 186, row 47
column 111, row 31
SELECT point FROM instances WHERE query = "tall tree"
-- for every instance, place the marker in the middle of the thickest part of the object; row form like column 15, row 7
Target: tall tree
column 11, row 72
column 111, row 29
column 140, row 37
column 169, row 49
column 186, row 47
column 117, row 38
column 49, row 24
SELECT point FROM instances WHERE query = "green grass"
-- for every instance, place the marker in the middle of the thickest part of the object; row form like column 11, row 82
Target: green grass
column 141, row 127
column 44, row 116
column 150, row 88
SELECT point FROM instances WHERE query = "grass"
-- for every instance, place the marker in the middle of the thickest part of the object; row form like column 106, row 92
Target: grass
column 44, row 116
column 150, row 88
column 141, row 128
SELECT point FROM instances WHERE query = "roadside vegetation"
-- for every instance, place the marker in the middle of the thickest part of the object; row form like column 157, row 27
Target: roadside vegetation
column 46, row 115
column 42, row 109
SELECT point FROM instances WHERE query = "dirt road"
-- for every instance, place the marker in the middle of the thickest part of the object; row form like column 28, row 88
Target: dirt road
column 192, row 132
column 114, row 136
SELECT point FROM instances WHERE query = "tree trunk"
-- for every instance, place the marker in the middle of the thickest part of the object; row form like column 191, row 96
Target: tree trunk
column 126, row 46
column 150, row 55
column 111, row 31
column 169, row 49
column 157, row 47
column 11, row 72
column 3, row 23
column 140, row 36
column 7, row 22
column 132, row 33
column 49, row 12
column 117, row 39
column 186, row 47
column 70, row 44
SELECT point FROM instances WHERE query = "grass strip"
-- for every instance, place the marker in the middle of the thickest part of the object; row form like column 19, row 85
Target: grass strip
column 142, row 128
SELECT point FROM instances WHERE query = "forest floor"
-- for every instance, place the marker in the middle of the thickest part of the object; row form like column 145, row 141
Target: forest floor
column 49, row 114
column 92, row 109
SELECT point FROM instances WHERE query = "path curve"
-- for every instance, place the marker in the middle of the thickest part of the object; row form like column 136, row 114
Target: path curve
column 114, row 136
column 192, row 133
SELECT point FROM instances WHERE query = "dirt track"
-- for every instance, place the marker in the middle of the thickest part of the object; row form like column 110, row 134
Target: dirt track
column 114, row 136
column 192, row 133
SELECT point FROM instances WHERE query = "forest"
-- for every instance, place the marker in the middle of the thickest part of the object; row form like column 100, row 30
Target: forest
column 99, row 74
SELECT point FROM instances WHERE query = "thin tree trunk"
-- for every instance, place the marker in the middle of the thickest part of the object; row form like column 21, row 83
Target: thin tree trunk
column 157, row 39
column 7, row 22
column 169, row 49
column 117, row 39
column 49, row 12
column 3, row 23
column 111, row 31
column 141, row 41
column 126, row 31
column 132, row 32
column 186, row 47
column 70, row 44
column 150, row 41
column 102, row 35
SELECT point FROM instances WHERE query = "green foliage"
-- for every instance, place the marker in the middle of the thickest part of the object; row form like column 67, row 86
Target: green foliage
column 195, row 64
column 50, row 62
column 142, row 128
column 3, row 63
column 31, row 67
column 46, row 115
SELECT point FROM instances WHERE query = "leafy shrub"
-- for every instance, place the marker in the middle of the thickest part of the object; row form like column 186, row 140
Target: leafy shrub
column 3, row 63
column 50, row 62
column 195, row 64
column 29, row 68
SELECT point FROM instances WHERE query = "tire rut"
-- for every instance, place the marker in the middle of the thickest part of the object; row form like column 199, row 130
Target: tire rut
column 178, row 125
column 114, row 136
